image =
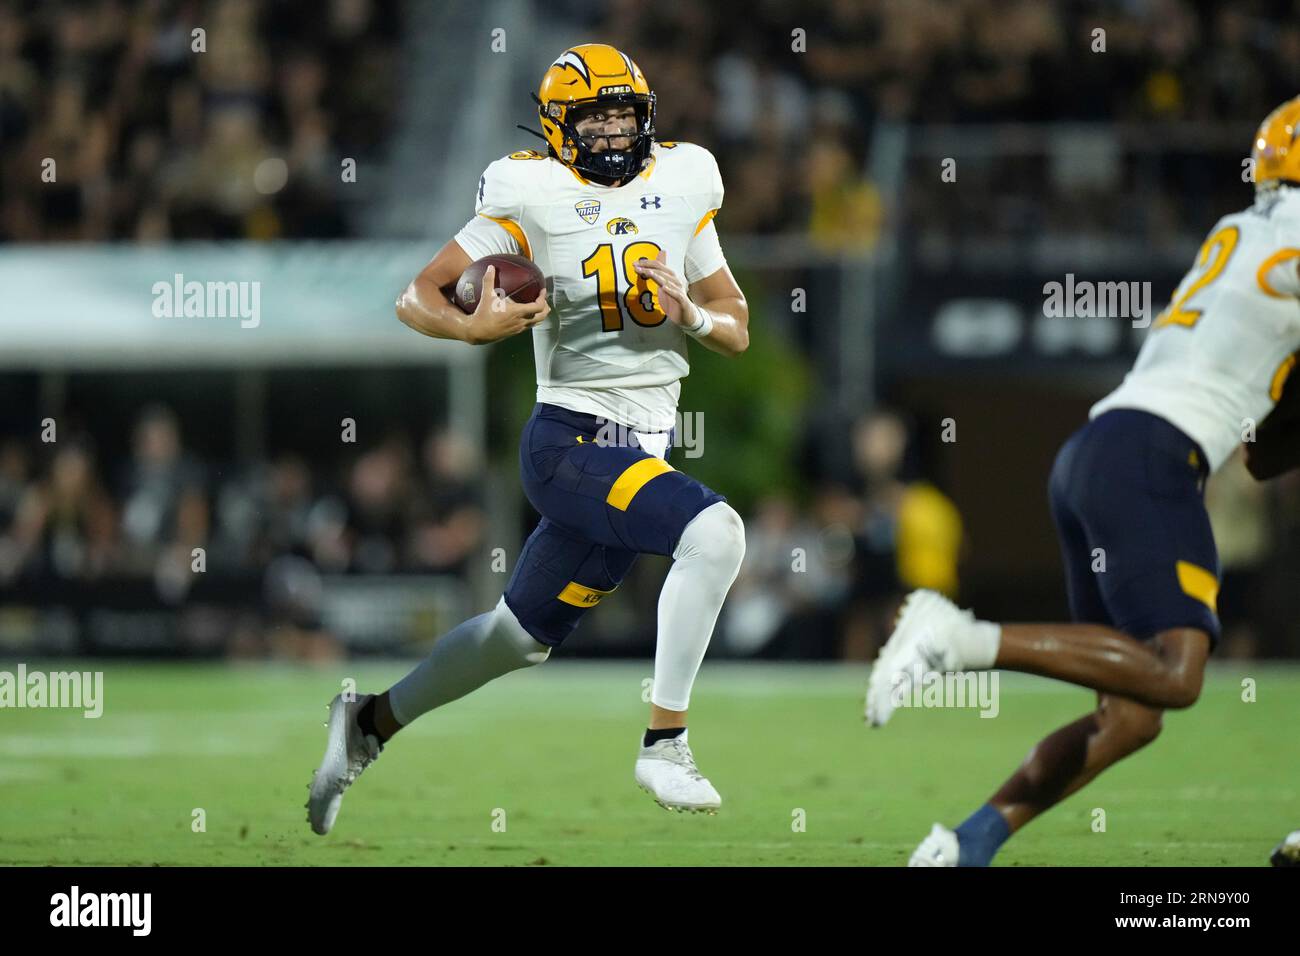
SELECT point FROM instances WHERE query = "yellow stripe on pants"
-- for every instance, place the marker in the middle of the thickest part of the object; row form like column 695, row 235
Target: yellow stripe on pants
column 633, row 480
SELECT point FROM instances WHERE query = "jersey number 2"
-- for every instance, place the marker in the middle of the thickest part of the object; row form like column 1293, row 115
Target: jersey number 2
column 1221, row 245
column 641, row 298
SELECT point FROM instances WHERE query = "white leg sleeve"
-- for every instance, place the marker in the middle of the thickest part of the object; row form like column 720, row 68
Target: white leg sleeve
column 463, row 659
column 706, row 563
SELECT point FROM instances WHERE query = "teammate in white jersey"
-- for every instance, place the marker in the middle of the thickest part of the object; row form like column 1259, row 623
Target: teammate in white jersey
column 621, row 227
column 1129, row 486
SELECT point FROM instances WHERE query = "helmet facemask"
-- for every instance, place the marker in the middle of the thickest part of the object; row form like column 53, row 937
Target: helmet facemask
column 613, row 165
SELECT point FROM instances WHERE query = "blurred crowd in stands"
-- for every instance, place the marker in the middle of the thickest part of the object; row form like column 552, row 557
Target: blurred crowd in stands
column 157, row 133
column 794, row 130
column 819, row 581
column 67, row 516
column 826, row 580
column 246, row 139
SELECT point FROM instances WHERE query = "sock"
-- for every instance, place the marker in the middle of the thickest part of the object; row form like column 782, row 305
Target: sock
column 465, row 658
column 366, row 721
column 653, row 737
column 706, row 562
column 981, row 835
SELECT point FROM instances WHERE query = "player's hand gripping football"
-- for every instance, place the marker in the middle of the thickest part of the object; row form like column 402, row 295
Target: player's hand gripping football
column 498, row 317
column 673, row 298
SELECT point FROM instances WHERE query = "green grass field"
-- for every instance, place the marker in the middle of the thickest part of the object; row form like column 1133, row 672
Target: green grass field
column 553, row 748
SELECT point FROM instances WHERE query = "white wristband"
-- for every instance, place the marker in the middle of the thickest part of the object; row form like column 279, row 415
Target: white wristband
column 704, row 326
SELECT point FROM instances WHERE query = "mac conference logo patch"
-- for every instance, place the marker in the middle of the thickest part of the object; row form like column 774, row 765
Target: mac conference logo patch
column 589, row 210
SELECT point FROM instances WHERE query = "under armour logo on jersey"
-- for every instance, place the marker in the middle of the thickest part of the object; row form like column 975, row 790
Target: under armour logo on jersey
column 482, row 181
column 648, row 201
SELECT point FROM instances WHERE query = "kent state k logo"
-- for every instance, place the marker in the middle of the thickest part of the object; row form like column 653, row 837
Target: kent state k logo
column 648, row 201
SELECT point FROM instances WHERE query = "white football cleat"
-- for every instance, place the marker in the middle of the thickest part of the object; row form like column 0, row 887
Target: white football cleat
column 940, row 848
column 347, row 753
column 666, row 770
column 922, row 641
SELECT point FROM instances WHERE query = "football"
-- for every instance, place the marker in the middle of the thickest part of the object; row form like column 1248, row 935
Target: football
column 516, row 277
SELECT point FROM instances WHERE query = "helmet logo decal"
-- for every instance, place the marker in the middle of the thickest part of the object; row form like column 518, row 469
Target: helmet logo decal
column 621, row 227
column 589, row 210
column 571, row 58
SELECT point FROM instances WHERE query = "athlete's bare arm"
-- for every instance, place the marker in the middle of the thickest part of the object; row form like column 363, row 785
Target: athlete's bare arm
column 426, row 307
column 721, row 296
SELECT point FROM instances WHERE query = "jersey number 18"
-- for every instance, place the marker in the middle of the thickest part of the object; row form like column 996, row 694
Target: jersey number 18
column 641, row 298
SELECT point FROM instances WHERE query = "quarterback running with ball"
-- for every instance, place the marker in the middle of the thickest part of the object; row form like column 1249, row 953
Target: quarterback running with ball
column 621, row 227
column 1129, row 484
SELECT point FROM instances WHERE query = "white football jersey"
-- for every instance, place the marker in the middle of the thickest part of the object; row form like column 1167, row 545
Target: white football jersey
column 1215, row 359
column 606, row 349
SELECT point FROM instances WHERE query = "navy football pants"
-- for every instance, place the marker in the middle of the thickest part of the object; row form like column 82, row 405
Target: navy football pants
column 603, row 501
column 1127, row 496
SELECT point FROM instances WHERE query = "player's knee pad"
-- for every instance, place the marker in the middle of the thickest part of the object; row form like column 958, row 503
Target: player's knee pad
column 715, row 536
column 510, row 641
column 560, row 576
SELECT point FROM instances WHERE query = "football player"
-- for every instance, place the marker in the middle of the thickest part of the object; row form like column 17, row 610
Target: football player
column 622, row 227
column 1129, row 484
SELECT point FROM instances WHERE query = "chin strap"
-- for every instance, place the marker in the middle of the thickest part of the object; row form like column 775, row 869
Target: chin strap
column 534, row 133
column 540, row 106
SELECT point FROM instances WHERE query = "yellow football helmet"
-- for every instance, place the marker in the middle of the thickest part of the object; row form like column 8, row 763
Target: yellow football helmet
column 589, row 74
column 1276, row 154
